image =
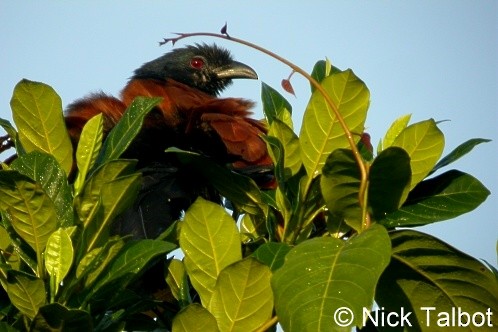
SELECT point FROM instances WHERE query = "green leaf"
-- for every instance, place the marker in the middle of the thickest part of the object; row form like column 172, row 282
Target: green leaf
column 322, row 69
column 88, row 149
column 424, row 143
column 426, row 272
column 459, row 152
column 26, row 293
column 55, row 317
column 127, row 128
column 275, row 106
column 321, row 275
column 37, row 113
column 133, row 257
column 194, row 318
column 340, row 185
column 210, row 241
column 443, row 197
column 45, row 170
column 242, row 299
column 290, row 142
column 177, row 281
column 272, row 254
column 389, row 181
column 396, row 128
column 58, row 255
column 31, row 211
column 321, row 132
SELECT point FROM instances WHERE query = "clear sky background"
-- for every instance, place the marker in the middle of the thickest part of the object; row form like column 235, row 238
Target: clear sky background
column 434, row 59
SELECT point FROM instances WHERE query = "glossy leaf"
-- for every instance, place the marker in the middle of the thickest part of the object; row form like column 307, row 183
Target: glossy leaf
column 44, row 169
column 26, row 293
column 323, row 274
column 37, row 113
column 426, row 272
column 177, row 281
column 459, row 152
column 55, row 317
column 194, row 318
column 340, row 185
column 424, row 143
column 242, row 299
column 389, row 181
column 127, row 128
column 396, row 128
column 58, row 255
column 443, row 197
column 210, row 241
column 88, row 148
column 275, row 106
column 272, row 254
column 321, row 132
column 31, row 211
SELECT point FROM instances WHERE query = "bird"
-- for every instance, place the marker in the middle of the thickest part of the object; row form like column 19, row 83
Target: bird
column 191, row 116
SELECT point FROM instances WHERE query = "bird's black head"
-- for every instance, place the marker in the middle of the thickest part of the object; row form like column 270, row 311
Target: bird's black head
column 208, row 68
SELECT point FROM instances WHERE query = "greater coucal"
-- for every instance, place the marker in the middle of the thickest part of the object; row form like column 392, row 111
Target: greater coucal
column 190, row 117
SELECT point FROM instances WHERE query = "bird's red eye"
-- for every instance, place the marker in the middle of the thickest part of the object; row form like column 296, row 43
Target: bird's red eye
column 197, row 63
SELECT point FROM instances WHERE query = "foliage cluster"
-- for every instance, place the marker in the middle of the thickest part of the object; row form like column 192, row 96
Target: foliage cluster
column 293, row 255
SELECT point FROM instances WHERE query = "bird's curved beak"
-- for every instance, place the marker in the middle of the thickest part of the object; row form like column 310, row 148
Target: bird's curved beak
column 236, row 70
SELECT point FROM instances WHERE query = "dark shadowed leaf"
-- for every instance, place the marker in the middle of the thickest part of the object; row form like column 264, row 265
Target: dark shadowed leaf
column 459, row 152
column 340, row 185
column 323, row 274
column 272, row 254
column 389, row 181
column 290, row 144
column 426, row 272
column 55, row 317
column 443, row 197
column 37, row 113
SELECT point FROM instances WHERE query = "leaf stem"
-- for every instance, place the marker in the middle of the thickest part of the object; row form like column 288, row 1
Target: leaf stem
column 361, row 165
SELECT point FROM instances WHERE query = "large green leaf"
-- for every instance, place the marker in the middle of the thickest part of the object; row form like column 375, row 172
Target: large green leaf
column 322, row 275
column 321, row 132
column 426, row 272
column 322, row 69
column 26, row 293
column 55, row 317
column 127, row 128
column 194, row 318
column 242, row 299
column 37, row 113
column 275, row 106
column 210, row 240
column 272, row 254
column 45, row 170
column 88, row 149
column 459, row 152
column 443, row 197
column 389, row 181
column 424, row 143
column 58, row 256
column 31, row 211
column 340, row 184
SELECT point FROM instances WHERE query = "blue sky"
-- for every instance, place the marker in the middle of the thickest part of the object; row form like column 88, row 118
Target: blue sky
column 432, row 59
